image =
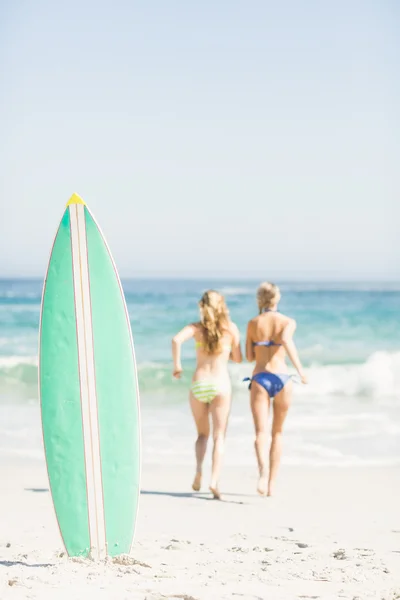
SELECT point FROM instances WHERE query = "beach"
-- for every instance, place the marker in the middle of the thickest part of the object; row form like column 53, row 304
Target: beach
column 332, row 530
column 328, row 533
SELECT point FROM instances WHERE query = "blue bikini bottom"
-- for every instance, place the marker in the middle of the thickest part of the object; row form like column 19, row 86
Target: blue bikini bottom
column 273, row 383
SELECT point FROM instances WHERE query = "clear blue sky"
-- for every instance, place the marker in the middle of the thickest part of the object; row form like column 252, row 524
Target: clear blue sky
column 245, row 138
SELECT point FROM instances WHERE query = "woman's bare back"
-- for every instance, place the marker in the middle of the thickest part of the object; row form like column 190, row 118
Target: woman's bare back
column 218, row 360
column 268, row 327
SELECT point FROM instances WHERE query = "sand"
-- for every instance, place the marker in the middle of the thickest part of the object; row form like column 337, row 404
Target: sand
column 329, row 533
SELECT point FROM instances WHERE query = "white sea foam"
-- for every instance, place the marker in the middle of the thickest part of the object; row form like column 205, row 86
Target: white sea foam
column 378, row 377
column 20, row 308
column 19, row 294
column 10, row 362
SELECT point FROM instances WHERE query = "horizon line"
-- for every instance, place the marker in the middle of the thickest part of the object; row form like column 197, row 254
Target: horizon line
column 221, row 278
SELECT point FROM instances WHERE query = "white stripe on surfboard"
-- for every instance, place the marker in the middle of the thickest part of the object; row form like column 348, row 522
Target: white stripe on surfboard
column 87, row 382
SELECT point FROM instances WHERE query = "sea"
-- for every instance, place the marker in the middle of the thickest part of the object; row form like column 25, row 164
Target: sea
column 348, row 336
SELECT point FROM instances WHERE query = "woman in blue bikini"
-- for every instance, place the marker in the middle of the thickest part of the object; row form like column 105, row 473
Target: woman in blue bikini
column 269, row 340
column 217, row 340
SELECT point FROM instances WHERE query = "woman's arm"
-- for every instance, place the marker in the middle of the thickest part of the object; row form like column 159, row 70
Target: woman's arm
column 184, row 334
column 249, row 344
column 236, row 352
column 290, row 347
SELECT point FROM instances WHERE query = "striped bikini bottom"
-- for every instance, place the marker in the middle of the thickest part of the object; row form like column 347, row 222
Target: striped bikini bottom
column 205, row 390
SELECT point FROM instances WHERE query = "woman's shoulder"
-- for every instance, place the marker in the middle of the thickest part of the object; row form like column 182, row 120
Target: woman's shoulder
column 198, row 328
column 254, row 323
column 285, row 318
column 287, row 322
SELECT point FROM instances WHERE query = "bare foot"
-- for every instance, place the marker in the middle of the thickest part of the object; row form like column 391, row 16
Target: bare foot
column 215, row 492
column 262, row 484
column 196, row 485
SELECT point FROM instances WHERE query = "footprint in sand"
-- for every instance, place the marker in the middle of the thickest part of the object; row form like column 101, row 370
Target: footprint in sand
column 181, row 597
column 171, row 547
column 126, row 560
column 238, row 549
column 365, row 552
column 340, row 554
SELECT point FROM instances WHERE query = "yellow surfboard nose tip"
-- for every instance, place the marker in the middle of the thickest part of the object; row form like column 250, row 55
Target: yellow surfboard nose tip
column 75, row 199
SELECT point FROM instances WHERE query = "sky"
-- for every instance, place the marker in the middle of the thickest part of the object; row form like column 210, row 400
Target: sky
column 238, row 138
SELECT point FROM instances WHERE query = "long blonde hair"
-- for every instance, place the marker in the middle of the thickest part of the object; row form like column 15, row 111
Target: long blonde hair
column 268, row 294
column 214, row 319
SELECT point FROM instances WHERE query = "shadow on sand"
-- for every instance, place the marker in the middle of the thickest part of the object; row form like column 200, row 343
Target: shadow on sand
column 196, row 495
column 16, row 563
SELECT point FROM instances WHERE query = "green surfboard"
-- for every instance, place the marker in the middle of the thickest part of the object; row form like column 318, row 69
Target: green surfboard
column 89, row 392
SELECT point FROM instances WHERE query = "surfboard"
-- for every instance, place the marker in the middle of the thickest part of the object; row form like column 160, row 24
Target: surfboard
column 88, row 392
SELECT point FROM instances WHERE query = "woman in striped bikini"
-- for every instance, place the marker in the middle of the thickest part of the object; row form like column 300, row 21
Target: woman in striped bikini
column 217, row 340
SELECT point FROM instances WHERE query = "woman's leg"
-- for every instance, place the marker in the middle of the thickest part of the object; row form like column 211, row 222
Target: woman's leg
column 220, row 408
column 280, row 408
column 200, row 412
column 259, row 400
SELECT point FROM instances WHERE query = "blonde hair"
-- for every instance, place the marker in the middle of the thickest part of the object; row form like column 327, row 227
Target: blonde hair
column 268, row 294
column 214, row 319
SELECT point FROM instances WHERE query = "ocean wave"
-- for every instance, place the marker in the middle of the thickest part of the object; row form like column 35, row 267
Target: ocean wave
column 377, row 378
column 20, row 308
column 18, row 379
column 16, row 295
column 10, row 362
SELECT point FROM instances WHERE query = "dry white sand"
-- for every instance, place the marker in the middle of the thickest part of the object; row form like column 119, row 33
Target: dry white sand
column 328, row 533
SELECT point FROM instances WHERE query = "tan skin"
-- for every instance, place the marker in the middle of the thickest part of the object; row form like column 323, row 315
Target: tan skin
column 211, row 367
column 279, row 328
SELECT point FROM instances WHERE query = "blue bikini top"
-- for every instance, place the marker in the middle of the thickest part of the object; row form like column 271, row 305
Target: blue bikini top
column 267, row 343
